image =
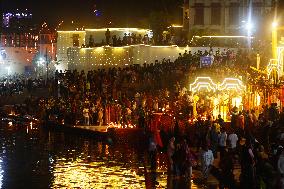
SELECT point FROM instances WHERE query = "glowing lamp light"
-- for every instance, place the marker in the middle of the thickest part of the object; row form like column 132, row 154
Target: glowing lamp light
column 274, row 24
column 273, row 64
column 258, row 99
column 249, row 26
column 237, row 101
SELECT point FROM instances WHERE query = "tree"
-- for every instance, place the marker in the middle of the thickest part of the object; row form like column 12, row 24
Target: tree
column 163, row 16
column 158, row 24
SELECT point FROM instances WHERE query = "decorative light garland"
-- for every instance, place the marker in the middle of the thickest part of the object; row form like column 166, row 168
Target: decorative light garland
column 207, row 83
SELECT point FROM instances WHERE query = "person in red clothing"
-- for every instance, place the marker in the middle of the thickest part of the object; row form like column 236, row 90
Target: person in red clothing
column 241, row 122
column 154, row 128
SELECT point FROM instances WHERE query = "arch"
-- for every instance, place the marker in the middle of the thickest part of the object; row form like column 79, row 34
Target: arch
column 203, row 83
column 232, row 84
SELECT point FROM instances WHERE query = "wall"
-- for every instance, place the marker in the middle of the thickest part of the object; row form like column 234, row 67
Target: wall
column 103, row 57
column 225, row 26
column 66, row 53
column 64, row 41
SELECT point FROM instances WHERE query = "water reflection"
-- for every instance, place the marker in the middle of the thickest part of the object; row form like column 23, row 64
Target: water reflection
column 42, row 159
column 78, row 174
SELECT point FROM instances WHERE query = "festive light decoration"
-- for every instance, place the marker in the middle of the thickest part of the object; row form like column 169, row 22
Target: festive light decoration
column 276, row 64
column 231, row 83
column 201, row 83
column 273, row 65
column 237, row 101
column 207, row 83
column 71, row 31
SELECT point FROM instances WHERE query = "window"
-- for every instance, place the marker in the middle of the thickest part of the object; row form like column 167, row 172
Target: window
column 215, row 14
column 75, row 40
column 256, row 9
column 234, row 14
column 199, row 14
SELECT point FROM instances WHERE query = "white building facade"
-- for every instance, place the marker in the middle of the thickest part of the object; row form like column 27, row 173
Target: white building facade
column 224, row 16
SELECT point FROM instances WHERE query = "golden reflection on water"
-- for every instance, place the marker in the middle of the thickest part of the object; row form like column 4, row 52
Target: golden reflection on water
column 77, row 174
column 101, row 175
column 103, row 167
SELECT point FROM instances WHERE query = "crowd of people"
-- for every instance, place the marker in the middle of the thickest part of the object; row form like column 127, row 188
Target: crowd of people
column 213, row 146
column 155, row 97
column 117, row 41
column 16, row 84
column 166, row 38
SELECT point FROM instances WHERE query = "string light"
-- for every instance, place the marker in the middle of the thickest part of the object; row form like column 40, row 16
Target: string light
column 203, row 82
column 208, row 83
column 231, row 83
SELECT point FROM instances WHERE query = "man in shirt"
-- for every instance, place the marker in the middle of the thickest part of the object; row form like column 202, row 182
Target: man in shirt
column 206, row 160
column 232, row 139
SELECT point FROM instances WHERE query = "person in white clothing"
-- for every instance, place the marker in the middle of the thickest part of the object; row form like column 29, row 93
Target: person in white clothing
column 86, row 115
column 206, row 160
column 232, row 141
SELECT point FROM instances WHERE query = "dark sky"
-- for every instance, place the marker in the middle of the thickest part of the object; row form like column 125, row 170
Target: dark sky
column 119, row 12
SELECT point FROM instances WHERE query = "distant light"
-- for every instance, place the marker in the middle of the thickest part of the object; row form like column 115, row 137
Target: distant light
column 249, row 26
column 175, row 26
column 274, row 24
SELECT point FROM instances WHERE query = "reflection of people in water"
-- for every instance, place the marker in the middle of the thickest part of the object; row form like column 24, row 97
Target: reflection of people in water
column 173, row 183
column 152, row 149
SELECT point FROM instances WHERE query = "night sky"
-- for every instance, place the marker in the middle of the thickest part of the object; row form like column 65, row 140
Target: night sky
column 119, row 12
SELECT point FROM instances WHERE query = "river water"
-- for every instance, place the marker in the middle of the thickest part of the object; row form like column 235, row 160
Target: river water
column 31, row 157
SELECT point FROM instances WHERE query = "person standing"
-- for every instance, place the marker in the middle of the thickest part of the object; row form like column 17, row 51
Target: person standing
column 153, row 151
column 100, row 116
column 86, row 116
column 114, row 41
column 170, row 153
column 214, row 139
column 233, row 139
column 221, row 121
column 247, row 177
column 107, row 34
column 94, row 114
column 222, row 142
column 206, row 160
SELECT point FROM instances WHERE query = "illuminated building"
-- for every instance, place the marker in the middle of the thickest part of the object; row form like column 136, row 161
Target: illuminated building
column 22, row 41
column 222, row 97
column 71, row 48
column 73, row 51
column 18, row 29
column 224, row 17
column 8, row 18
